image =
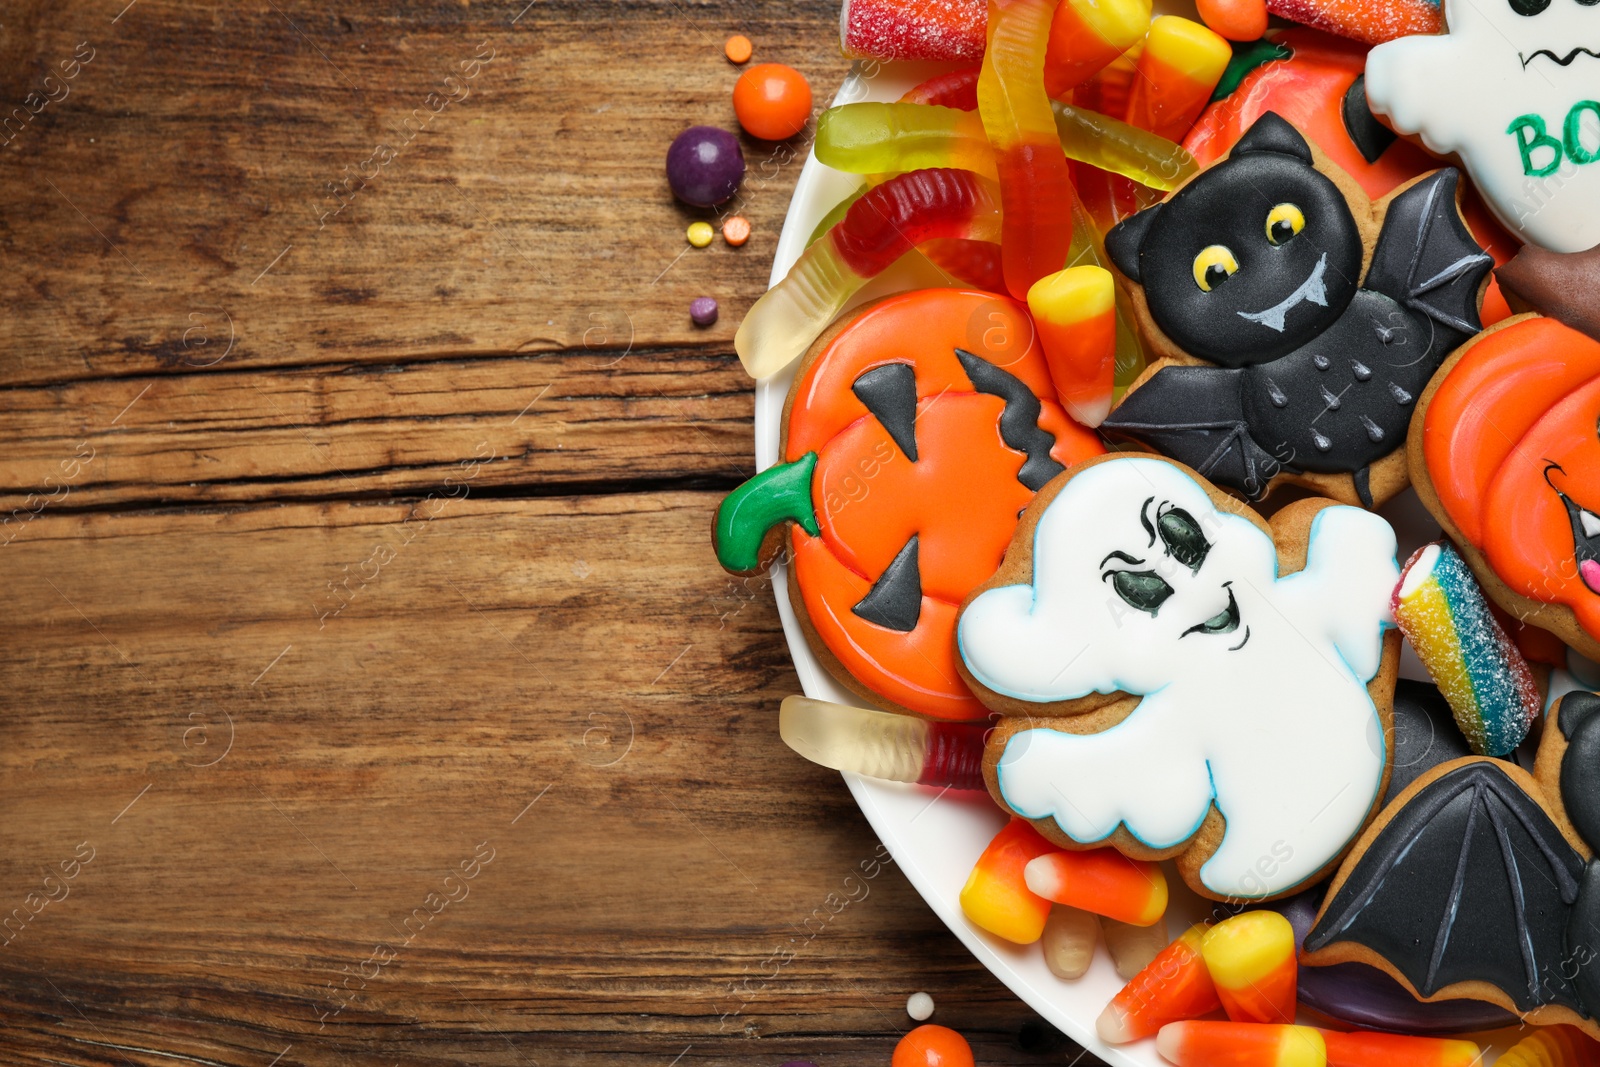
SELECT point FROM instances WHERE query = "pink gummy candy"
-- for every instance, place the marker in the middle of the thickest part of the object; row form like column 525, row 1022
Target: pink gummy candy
column 914, row 29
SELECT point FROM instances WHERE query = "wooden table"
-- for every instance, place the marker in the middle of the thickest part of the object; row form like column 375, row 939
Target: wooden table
column 372, row 694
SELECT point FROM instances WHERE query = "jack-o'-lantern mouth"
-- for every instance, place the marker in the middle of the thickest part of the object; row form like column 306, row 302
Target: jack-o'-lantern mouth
column 1585, row 534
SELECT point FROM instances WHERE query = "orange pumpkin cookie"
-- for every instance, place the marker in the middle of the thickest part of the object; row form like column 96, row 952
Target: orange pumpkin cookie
column 1508, row 458
column 915, row 432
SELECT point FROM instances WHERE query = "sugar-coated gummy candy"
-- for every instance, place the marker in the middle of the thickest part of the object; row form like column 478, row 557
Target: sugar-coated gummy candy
column 1367, row 21
column 930, row 1045
column 703, row 311
column 919, row 1006
column 1442, row 610
column 772, row 101
column 913, row 29
column 704, row 165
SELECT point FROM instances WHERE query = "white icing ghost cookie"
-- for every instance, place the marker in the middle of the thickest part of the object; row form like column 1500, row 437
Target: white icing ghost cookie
column 1205, row 702
column 1514, row 88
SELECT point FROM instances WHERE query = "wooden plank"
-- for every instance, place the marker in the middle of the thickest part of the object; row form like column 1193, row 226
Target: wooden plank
column 261, row 738
column 556, row 422
column 291, row 185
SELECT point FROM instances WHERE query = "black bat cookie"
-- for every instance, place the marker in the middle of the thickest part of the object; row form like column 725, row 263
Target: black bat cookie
column 1256, row 266
column 1471, row 881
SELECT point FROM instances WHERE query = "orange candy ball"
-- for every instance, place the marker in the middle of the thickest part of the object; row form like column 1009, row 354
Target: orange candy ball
column 738, row 49
column 933, row 1046
column 1237, row 20
column 772, row 101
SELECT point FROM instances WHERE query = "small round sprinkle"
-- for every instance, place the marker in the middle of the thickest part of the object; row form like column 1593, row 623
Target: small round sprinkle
column 738, row 49
column 919, row 1006
column 700, row 234
column 736, row 230
column 703, row 312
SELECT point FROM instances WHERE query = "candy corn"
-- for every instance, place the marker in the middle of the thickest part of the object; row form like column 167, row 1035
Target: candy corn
column 1364, row 1049
column 1552, row 1046
column 1481, row 672
column 1085, row 35
column 1068, row 943
column 1212, row 1044
column 996, row 897
column 1132, row 947
column 1181, row 64
column 1103, row 881
column 1075, row 313
column 1175, row 985
column 1251, row 958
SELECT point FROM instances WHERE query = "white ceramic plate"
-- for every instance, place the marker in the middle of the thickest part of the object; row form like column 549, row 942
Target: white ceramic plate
column 937, row 838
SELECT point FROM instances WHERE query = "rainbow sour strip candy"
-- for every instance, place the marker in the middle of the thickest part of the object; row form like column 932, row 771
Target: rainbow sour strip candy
column 1442, row 611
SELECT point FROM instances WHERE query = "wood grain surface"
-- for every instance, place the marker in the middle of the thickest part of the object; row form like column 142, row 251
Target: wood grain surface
column 372, row 694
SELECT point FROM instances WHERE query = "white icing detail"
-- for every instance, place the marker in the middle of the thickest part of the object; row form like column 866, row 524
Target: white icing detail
column 1463, row 90
column 1419, row 571
column 1280, row 733
column 1311, row 289
column 1591, row 523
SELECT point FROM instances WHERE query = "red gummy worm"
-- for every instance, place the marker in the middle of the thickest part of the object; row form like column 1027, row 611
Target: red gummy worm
column 958, row 89
column 888, row 221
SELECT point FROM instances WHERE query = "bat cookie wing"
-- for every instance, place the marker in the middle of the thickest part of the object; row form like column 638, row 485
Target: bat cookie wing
column 1426, row 259
column 1470, row 882
column 1196, row 416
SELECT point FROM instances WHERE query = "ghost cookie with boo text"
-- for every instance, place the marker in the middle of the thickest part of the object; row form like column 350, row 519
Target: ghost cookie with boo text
column 1295, row 320
column 1178, row 677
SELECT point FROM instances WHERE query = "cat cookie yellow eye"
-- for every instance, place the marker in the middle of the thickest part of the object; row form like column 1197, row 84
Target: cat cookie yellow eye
column 1283, row 222
column 1214, row 265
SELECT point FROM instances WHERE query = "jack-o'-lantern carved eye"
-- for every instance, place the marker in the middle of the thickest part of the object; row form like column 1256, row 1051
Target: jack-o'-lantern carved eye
column 1283, row 222
column 1214, row 265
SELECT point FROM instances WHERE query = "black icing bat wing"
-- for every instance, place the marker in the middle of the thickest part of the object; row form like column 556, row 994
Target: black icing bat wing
column 1469, row 881
column 1196, row 416
column 1427, row 260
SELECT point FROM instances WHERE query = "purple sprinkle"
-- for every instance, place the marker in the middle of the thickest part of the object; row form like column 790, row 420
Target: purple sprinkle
column 703, row 310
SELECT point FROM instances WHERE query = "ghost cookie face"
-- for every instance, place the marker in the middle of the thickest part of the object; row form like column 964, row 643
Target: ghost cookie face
column 1297, row 320
column 1179, row 678
column 1514, row 89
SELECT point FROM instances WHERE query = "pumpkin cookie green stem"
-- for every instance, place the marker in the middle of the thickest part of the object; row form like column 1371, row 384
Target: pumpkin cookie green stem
column 744, row 517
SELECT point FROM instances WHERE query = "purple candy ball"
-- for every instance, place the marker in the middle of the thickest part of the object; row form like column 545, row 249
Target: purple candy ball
column 704, row 165
column 703, row 310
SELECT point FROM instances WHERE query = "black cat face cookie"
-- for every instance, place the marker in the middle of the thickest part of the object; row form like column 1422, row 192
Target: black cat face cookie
column 1295, row 320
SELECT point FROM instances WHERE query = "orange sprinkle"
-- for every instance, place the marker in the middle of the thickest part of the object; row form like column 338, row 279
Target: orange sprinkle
column 738, row 49
column 736, row 230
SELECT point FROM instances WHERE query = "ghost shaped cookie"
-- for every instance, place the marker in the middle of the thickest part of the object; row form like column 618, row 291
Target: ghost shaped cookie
column 1295, row 319
column 1180, row 678
column 1512, row 89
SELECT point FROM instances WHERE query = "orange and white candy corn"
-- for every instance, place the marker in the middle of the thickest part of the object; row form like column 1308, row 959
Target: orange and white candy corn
column 1218, row 1044
column 1103, row 881
column 1176, row 985
column 996, row 897
column 1075, row 313
column 1251, row 958
column 1367, row 1049
column 1180, row 65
